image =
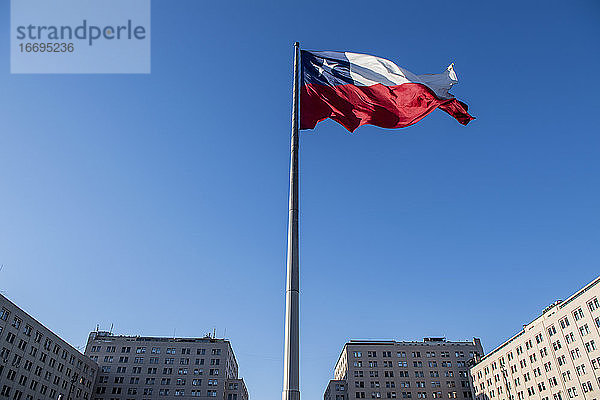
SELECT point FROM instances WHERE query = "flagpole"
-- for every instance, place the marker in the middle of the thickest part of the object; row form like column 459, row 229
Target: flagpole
column 291, row 365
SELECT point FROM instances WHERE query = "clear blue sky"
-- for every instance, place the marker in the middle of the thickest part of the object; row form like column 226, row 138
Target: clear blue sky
column 159, row 202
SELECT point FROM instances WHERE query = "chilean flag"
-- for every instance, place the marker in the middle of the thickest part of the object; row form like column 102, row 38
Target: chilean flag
column 357, row 89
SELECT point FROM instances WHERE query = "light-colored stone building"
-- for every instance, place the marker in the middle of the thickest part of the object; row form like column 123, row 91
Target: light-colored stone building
column 432, row 369
column 36, row 364
column 554, row 357
column 157, row 368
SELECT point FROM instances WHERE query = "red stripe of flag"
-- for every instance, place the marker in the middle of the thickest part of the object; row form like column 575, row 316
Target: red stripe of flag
column 384, row 106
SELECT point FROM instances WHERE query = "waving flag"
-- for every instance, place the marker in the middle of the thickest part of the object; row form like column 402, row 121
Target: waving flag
column 357, row 89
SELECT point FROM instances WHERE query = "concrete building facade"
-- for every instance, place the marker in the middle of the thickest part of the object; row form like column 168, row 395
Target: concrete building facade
column 432, row 369
column 36, row 364
column 554, row 357
column 156, row 368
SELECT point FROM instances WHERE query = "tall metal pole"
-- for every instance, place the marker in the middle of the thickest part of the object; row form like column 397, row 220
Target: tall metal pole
column 291, row 367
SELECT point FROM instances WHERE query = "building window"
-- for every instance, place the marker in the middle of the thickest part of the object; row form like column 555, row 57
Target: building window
column 17, row 322
column 539, row 338
column 556, row 345
column 10, row 337
column 590, row 346
column 5, row 391
column 593, row 304
column 587, row 387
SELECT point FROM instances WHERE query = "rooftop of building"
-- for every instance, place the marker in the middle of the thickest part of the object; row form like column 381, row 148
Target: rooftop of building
column 104, row 335
column 552, row 307
column 107, row 336
column 425, row 341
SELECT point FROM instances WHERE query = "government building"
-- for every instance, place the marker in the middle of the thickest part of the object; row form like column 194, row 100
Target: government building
column 157, row 368
column 36, row 364
column 432, row 369
column 554, row 357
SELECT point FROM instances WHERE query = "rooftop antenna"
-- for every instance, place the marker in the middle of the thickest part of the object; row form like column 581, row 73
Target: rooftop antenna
column 214, row 333
column 111, row 328
column 97, row 327
column 1, row 268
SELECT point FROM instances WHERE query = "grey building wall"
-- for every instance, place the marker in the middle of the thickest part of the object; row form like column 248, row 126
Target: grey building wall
column 554, row 357
column 235, row 389
column 432, row 369
column 36, row 364
column 157, row 368
column 336, row 390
